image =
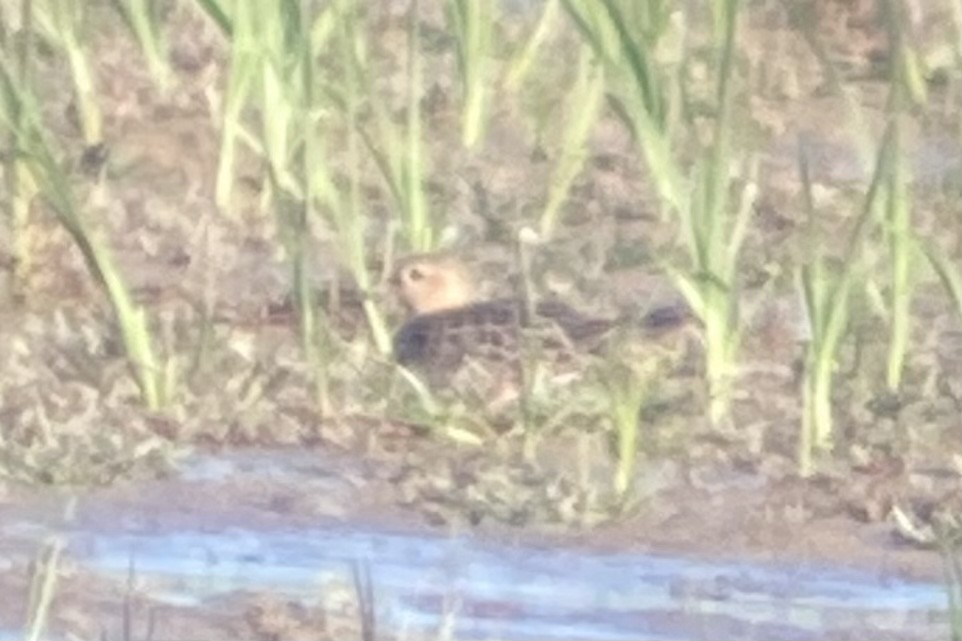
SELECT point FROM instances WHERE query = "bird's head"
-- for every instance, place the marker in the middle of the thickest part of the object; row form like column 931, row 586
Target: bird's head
column 433, row 283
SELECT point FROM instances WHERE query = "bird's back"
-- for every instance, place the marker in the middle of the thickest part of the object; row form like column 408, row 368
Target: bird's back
column 491, row 332
column 440, row 341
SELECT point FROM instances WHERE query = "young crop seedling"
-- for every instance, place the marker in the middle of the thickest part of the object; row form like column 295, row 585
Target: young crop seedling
column 398, row 150
column 145, row 21
column 473, row 27
column 713, row 228
column 826, row 298
column 63, row 24
column 582, row 110
column 20, row 115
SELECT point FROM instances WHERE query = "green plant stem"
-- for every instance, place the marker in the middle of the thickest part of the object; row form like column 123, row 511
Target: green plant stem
column 42, row 589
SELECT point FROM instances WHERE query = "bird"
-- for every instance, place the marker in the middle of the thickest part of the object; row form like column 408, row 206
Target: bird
column 456, row 339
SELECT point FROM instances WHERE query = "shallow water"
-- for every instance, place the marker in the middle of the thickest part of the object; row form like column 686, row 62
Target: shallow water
column 524, row 592
column 493, row 590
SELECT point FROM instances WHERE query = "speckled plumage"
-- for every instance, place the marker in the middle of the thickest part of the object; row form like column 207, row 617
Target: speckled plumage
column 491, row 332
column 476, row 347
column 456, row 341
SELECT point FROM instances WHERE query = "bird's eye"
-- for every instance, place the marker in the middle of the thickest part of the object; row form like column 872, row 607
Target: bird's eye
column 415, row 274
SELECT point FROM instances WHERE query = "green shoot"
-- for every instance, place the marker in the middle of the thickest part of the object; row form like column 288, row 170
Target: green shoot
column 143, row 19
column 473, row 26
column 456, row 424
column 63, row 23
column 347, row 215
column 42, row 588
column 625, row 382
column 582, row 110
column 713, row 233
column 899, row 229
column 907, row 77
column 422, row 234
column 20, row 115
column 274, row 63
column 243, row 67
column 219, row 14
column 520, row 65
column 639, row 88
column 401, row 160
column 906, row 86
column 21, row 187
column 826, row 297
column 946, row 269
